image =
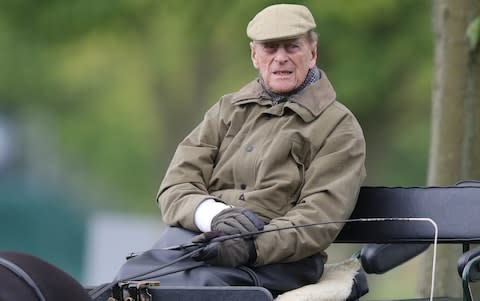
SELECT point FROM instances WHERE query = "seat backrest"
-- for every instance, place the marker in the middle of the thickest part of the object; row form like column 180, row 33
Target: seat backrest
column 454, row 209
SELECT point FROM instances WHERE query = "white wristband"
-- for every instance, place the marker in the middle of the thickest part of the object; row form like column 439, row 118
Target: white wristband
column 205, row 213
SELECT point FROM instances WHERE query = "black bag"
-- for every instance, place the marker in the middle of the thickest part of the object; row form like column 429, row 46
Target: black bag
column 187, row 272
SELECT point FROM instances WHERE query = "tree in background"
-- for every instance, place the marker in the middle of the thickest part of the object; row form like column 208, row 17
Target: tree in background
column 455, row 144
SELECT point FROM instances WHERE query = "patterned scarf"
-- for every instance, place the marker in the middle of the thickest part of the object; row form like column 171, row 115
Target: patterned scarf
column 312, row 76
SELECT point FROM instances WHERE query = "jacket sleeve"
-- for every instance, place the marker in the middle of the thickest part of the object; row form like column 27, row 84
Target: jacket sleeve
column 185, row 183
column 329, row 193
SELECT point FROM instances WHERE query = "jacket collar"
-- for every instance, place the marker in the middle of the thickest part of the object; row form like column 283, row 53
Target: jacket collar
column 308, row 103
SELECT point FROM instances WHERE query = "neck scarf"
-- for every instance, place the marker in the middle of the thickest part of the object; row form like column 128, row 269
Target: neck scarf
column 312, row 76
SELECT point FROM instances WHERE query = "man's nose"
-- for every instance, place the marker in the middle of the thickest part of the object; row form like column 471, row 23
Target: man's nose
column 281, row 55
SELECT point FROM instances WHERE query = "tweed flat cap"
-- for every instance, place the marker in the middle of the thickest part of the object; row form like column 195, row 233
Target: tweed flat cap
column 280, row 21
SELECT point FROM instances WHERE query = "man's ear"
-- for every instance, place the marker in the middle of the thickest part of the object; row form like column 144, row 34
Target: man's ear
column 253, row 54
column 313, row 52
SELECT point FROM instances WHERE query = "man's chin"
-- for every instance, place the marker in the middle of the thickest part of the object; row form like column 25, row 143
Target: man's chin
column 282, row 90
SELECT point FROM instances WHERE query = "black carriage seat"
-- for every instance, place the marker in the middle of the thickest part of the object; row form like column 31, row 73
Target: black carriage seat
column 388, row 243
column 392, row 243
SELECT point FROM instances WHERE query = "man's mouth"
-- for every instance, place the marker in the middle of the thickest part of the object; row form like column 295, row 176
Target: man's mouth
column 282, row 72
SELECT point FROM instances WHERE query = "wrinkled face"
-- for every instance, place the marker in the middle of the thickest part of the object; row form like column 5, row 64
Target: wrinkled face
column 284, row 64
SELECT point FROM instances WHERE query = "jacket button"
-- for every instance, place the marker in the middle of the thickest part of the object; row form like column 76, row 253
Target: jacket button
column 249, row 148
column 243, row 186
column 241, row 197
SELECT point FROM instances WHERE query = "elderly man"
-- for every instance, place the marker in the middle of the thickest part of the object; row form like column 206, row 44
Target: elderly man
column 279, row 152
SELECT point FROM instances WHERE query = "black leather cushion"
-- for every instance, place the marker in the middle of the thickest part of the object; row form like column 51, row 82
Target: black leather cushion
column 380, row 258
column 450, row 207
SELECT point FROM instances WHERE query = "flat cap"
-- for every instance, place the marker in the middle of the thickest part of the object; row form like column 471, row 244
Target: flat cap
column 280, row 21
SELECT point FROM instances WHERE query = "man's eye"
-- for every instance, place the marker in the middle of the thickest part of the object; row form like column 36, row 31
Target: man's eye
column 270, row 48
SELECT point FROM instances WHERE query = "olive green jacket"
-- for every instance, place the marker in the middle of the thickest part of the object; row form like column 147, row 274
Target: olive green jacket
column 295, row 162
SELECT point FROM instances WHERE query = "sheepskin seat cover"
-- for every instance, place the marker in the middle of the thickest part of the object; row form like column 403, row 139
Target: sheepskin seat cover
column 335, row 284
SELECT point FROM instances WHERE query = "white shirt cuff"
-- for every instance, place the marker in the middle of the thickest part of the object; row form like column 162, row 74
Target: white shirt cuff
column 205, row 213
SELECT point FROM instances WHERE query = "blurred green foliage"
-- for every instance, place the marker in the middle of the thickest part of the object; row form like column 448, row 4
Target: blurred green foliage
column 121, row 82
column 473, row 33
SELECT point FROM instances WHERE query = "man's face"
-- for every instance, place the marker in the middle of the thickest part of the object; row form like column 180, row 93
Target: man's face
column 284, row 64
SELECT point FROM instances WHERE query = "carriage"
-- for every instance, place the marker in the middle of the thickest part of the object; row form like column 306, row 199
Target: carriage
column 390, row 224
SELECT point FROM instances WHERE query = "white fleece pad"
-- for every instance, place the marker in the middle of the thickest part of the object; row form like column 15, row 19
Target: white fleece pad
column 335, row 284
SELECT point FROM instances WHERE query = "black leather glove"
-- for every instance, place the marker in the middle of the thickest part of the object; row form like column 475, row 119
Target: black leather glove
column 236, row 220
column 228, row 253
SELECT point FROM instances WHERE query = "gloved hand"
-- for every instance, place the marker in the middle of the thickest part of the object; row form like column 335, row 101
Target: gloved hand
column 236, row 220
column 228, row 253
